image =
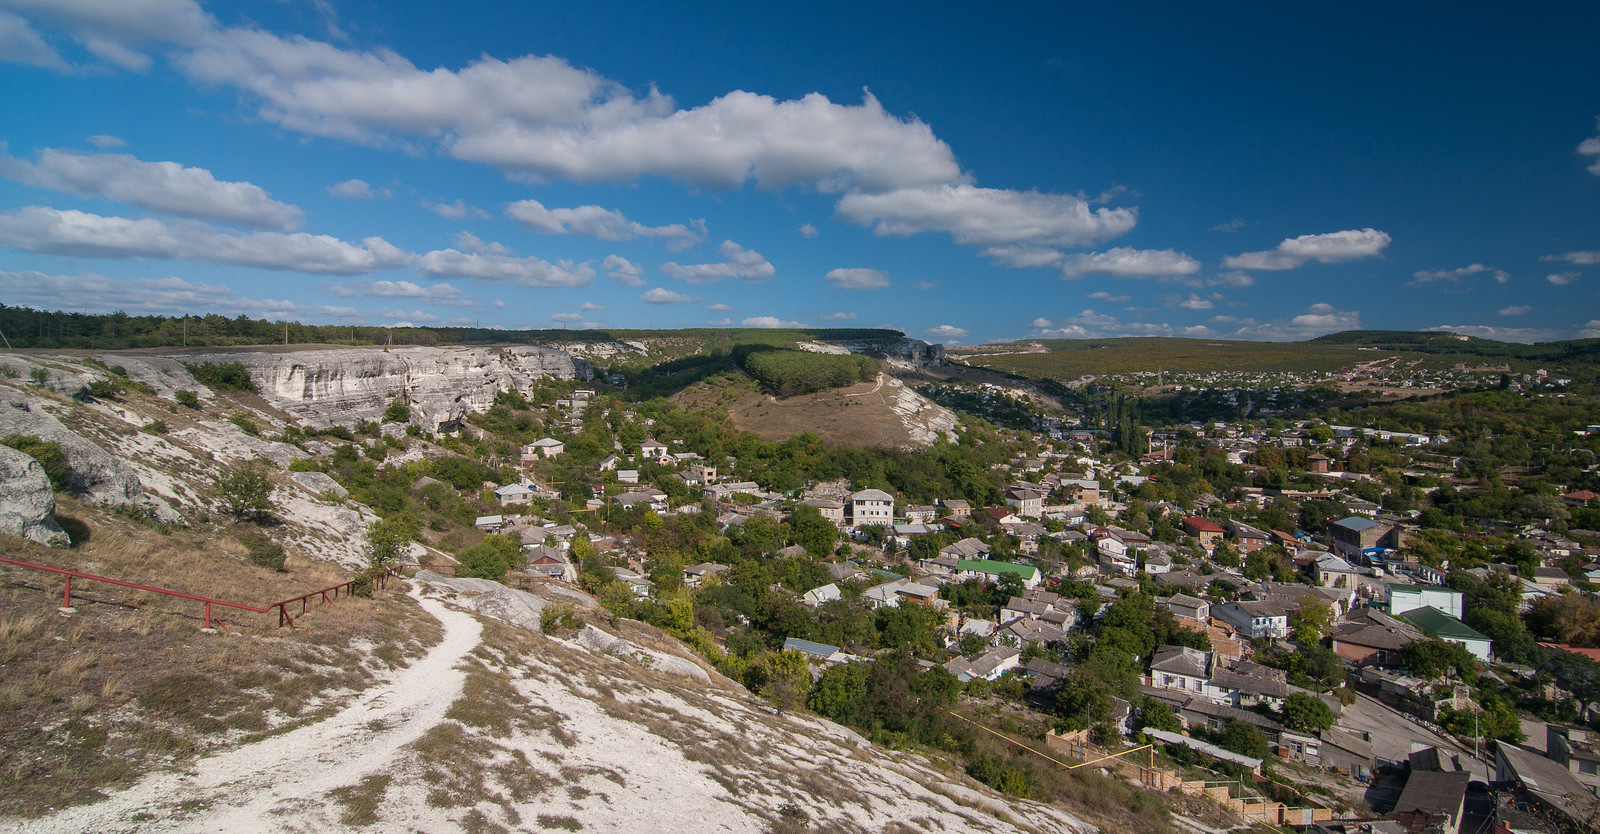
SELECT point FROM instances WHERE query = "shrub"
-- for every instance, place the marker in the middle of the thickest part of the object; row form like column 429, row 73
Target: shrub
column 245, row 424
column 491, row 558
column 264, row 552
column 231, row 376
column 397, row 412
column 106, row 389
column 186, row 398
column 49, row 455
column 156, row 427
column 559, row 616
column 245, row 492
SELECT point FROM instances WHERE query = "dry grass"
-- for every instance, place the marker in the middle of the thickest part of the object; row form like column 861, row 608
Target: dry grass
column 362, row 800
column 135, row 681
column 854, row 416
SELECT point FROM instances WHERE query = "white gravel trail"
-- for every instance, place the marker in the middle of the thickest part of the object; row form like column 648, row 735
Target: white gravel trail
column 263, row 786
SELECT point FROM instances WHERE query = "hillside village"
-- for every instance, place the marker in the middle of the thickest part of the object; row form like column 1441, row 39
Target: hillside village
column 1343, row 624
column 1287, row 611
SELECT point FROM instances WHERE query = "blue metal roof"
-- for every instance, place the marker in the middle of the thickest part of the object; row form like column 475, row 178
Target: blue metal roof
column 1356, row 523
column 809, row 647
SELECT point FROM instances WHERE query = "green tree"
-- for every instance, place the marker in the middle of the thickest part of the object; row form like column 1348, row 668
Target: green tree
column 245, row 492
column 1311, row 621
column 491, row 558
column 387, row 541
column 1306, row 712
column 1156, row 715
column 1244, row 739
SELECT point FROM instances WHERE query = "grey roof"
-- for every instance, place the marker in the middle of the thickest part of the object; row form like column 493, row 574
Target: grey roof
column 1434, row 791
column 1547, row 779
column 1179, row 660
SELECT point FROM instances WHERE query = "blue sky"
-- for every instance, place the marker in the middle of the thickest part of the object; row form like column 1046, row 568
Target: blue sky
column 1266, row 171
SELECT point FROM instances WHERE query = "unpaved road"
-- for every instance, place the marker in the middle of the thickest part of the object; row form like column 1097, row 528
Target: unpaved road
column 251, row 787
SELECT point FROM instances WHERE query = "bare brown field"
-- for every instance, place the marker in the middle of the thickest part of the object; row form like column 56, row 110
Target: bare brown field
column 861, row 415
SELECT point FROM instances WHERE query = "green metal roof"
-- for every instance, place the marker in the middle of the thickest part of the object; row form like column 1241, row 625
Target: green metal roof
column 1441, row 625
column 992, row 566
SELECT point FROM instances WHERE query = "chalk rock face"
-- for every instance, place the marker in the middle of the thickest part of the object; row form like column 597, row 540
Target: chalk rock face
column 328, row 387
column 96, row 475
column 27, row 504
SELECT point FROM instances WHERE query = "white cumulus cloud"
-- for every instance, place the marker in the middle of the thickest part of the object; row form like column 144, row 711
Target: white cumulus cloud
column 986, row 217
column 444, row 294
column 19, row 44
column 947, row 333
column 769, row 322
column 1124, row 262
column 1455, row 275
column 839, row 317
column 623, row 271
column 1515, row 310
column 1591, row 147
column 1576, row 258
column 601, row 223
column 858, row 279
column 165, row 187
column 808, row 231
column 1561, row 279
column 71, row 232
column 138, row 296
column 354, row 189
column 658, row 295
column 503, row 269
column 1295, row 252
column 738, row 262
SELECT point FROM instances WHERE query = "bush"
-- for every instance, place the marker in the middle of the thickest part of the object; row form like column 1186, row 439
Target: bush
column 491, row 558
column 156, row 427
column 265, row 552
column 230, row 376
column 397, row 412
column 245, row 492
column 106, row 389
column 49, row 455
column 186, row 398
column 559, row 616
column 388, row 540
column 245, row 424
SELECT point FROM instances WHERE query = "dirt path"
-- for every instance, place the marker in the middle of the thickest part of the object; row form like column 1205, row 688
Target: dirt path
column 248, row 788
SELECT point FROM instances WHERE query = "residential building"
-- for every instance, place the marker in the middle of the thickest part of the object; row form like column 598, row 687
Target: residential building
column 871, row 506
column 513, row 495
column 1355, row 534
column 1330, row 571
column 1405, row 598
column 1432, row 800
column 1436, row 623
column 1254, row 620
column 997, row 571
column 1578, row 749
column 1028, row 500
column 831, row 509
column 1207, row 531
column 1374, row 638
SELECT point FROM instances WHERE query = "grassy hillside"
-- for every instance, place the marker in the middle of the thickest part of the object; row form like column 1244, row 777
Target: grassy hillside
column 1072, row 358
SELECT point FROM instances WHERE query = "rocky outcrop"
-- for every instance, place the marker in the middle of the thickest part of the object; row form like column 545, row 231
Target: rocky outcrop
column 97, row 476
column 350, row 386
column 27, row 504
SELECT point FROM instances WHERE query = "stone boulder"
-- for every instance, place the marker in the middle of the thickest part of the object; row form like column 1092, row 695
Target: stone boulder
column 97, row 475
column 27, row 504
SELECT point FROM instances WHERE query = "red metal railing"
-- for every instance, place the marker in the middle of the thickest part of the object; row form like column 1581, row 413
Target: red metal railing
column 284, row 618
